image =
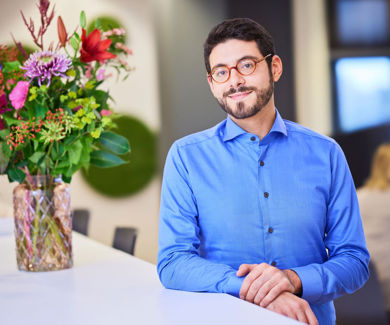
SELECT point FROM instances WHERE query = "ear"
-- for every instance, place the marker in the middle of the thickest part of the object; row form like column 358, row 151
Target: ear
column 277, row 67
column 211, row 84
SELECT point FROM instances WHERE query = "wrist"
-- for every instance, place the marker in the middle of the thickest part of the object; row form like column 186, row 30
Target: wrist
column 295, row 281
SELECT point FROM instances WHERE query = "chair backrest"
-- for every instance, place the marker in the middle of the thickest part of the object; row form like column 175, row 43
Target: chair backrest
column 80, row 221
column 124, row 239
column 363, row 307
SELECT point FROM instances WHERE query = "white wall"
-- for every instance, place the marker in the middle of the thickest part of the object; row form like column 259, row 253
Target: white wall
column 137, row 96
column 312, row 65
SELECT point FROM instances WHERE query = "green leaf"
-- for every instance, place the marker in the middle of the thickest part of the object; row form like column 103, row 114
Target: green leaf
column 98, row 23
column 74, row 43
column 68, row 140
column 104, row 159
column 40, row 111
column 77, row 37
column 115, row 143
column 11, row 66
column 101, row 97
column 16, row 175
column 67, row 179
column 4, row 157
column 5, row 149
column 3, row 134
column 35, row 144
column 75, row 152
column 63, row 164
column 83, row 19
column 36, row 156
column 10, row 120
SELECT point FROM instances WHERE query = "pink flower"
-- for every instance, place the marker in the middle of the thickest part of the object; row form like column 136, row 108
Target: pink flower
column 88, row 72
column 100, row 75
column 105, row 112
column 18, row 94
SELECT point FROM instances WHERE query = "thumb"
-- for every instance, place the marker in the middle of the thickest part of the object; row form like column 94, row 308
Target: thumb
column 244, row 269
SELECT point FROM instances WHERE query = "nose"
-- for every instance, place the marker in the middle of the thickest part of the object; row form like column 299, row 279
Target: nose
column 236, row 79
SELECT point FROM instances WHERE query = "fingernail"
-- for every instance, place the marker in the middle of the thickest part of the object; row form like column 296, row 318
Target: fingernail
column 241, row 297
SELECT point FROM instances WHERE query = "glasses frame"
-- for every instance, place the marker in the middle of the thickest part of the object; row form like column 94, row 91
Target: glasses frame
column 235, row 67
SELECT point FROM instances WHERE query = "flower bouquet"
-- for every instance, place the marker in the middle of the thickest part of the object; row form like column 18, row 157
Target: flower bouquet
column 54, row 120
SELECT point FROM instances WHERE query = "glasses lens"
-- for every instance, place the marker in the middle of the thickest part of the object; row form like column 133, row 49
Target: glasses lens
column 246, row 66
column 220, row 74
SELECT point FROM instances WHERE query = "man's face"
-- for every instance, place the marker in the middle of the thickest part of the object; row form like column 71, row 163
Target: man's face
column 241, row 96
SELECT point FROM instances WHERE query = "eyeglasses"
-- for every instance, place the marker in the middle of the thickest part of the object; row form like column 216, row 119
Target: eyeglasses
column 245, row 67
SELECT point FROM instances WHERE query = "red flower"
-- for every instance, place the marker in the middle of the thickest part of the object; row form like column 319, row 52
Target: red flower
column 93, row 49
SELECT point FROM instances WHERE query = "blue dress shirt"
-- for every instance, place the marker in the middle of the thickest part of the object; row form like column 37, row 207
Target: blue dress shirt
column 288, row 200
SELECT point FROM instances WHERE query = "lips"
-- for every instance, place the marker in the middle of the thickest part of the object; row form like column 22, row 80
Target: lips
column 239, row 95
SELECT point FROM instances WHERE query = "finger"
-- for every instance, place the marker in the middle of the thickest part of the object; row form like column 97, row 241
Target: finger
column 301, row 316
column 244, row 269
column 271, row 294
column 253, row 275
column 257, row 287
column 312, row 320
column 265, row 290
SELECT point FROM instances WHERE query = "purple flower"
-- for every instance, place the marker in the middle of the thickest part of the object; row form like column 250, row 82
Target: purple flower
column 45, row 65
column 18, row 94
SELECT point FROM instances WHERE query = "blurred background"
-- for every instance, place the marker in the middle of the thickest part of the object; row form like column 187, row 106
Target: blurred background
column 336, row 81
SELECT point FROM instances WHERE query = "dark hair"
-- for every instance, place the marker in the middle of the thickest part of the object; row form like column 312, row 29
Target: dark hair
column 244, row 29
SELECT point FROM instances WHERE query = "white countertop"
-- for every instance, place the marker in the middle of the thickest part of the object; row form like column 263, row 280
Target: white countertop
column 107, row 286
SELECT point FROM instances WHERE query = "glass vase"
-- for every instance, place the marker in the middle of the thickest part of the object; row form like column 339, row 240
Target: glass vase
column 43, row 224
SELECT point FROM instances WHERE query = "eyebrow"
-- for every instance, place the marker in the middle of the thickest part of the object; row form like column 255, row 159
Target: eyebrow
column 242, row 58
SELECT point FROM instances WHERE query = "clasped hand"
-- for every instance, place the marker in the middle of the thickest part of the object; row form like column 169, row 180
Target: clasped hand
column 275, row 289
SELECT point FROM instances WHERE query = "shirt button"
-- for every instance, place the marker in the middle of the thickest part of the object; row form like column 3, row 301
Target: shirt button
column 273, row 263
column 270, row 230
column 253, row 138
column 266, row 194
column 261, row 163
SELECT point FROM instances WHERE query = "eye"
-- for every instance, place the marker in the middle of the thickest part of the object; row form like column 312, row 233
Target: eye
column 246, row 65
column 220, row 73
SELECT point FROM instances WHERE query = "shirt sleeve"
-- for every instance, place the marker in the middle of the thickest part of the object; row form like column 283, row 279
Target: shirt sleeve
column 179, row 265
column 346, row 269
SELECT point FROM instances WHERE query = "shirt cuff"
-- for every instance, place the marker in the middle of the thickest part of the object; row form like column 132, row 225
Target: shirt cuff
column 233, row 285
column 312, row 287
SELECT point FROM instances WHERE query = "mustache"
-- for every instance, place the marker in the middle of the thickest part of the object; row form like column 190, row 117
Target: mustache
column 238, row 90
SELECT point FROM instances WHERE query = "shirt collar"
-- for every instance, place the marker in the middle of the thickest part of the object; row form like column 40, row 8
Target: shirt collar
column 232, row 130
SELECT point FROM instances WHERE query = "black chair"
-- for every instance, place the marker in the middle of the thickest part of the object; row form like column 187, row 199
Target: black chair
column 124, row 239
column 80, row 221
column 363, row 307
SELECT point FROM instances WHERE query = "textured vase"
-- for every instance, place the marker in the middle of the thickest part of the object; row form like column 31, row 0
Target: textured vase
column 43, row 224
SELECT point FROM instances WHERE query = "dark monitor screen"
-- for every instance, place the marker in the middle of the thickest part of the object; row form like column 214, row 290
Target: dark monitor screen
column 360, row 22
column 363, row 92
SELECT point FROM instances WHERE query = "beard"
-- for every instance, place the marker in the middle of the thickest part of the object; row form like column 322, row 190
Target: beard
column 241, row 110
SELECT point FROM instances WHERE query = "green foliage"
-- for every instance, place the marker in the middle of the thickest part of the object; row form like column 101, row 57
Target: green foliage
column 114, row 143
column 64, row 124
column 105, row 159
column 15, row 174
column 129, row 178
column 83, row 19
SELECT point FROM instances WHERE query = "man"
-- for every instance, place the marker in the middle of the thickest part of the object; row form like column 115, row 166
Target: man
column 259, row 207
